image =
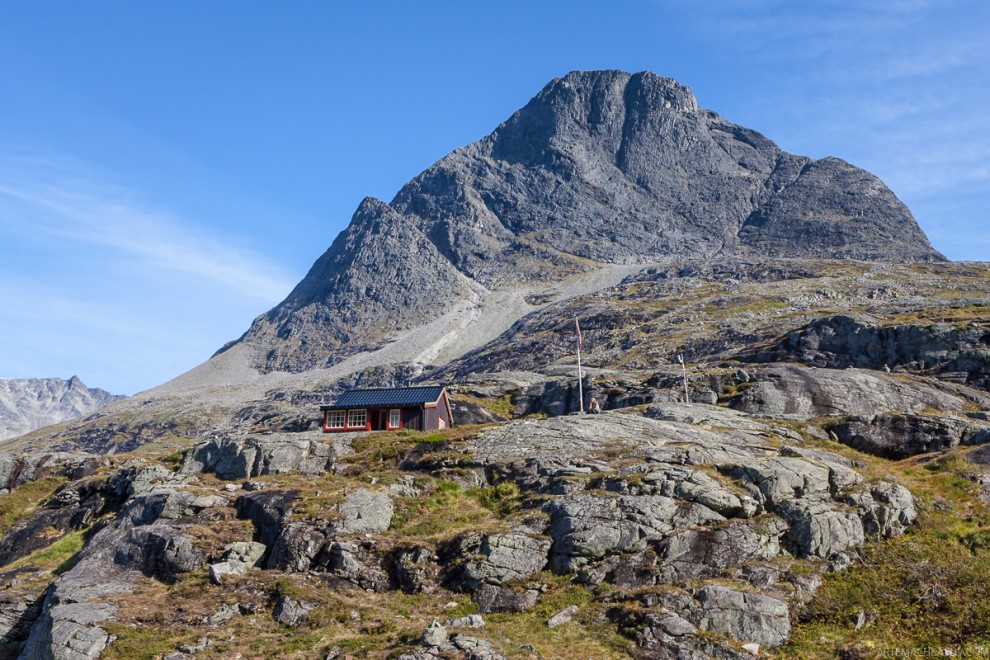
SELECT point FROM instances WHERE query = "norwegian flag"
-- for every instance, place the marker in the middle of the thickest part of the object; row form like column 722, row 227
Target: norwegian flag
column 578, row 324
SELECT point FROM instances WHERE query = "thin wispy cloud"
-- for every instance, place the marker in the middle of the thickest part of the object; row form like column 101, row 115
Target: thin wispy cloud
column 75, row 210
column 95, row 281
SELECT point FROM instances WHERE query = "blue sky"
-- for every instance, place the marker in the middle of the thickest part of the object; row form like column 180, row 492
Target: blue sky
column 169, row 170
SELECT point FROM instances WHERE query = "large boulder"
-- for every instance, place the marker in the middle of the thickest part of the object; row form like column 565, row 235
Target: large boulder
column 245, row 456
column 820, row 529
column 499, row 558
column 706, row 553
column 747, row 617
column 885, row 508
column 296, row 547
column 587, row 528
column 805, row 392
column 898, row 436
column 365, row 511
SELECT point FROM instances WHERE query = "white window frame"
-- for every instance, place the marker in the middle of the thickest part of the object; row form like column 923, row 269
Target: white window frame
column 356, row 415
column 336, row 419
column 395, row 418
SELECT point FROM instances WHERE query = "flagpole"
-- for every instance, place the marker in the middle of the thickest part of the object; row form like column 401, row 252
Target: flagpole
column 580, row 375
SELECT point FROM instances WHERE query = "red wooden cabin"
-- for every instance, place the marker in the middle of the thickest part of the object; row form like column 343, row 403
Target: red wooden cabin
column 388, row 408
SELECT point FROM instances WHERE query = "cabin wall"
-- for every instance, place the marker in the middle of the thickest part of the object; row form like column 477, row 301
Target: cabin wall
column 430, row 417
column 444, row 408
column 412, row 418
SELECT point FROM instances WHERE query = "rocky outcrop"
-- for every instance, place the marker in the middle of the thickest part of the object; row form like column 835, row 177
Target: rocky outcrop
column 110, row 564
column 885, row 508
column 959, row 354
column 586, row 528
column 790, row 390
column 704, row 528
column 292, row 611
column 747, row 617
column 242, row 457
column 707, row 553
column 495, row 559
column 365, row 511
column 31, row 403
column 900, row 436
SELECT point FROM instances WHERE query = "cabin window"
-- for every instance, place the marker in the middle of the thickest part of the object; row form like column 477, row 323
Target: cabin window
column 394, row 418
column 441, row 423
column 335, row 419
column 357, row 418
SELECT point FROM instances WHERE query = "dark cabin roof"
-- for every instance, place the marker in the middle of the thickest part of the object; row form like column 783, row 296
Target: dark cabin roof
column 383, row 397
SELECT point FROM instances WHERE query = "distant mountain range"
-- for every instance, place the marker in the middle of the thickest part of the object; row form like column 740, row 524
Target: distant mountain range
column 601, row 167
column 27, row 404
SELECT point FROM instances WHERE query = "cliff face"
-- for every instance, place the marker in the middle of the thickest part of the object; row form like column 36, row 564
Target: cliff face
column 29, row 404
column 601, row 167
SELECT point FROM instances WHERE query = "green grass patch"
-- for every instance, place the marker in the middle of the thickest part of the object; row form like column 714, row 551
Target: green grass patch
column 926, row 589
column 501, row 406
column 138, row 641
column 22, row 501
column 589, row 635
column 450, row 509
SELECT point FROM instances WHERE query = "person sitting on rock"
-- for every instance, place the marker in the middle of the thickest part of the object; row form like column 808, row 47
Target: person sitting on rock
column 593, row 406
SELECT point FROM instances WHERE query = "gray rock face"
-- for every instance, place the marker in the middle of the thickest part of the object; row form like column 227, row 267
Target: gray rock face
column 415, row 570
column 705, row 553
column 563, row 446
column 686, row 484
column 885, row 508
column 803, row 392
column 498, row 558
column 268, row 511
column 69, row 625
column 844, row 341
column 745, row 616
column 357, row 564
column 900, row 436
column 365, row 511
column 297, row 545
column 31, row 403
column 491, row 598
column 161, row 550
column 242, row 457
column 21, row 468
column 601, row 165
column 818, row 529
column 776, row 479
column 17, row 615
column 291, row 611
column 587, row 528
column 69, row 632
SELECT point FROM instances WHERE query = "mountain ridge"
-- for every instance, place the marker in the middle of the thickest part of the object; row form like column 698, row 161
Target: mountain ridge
column 27, row 404
column 600, row 167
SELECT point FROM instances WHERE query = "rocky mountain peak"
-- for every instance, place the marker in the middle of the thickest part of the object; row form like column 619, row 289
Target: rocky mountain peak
column 588, row 106
column 31, row 403
column 599, row 168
